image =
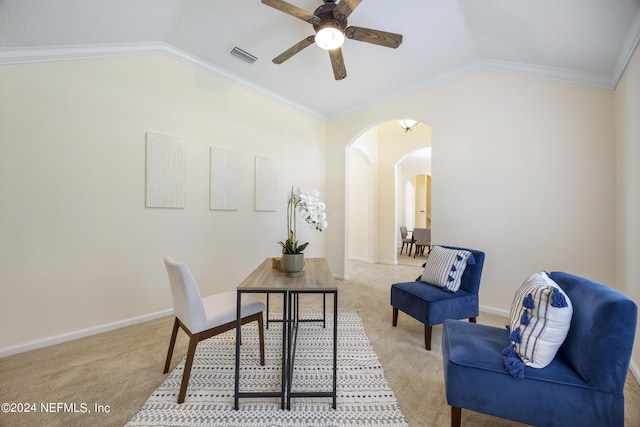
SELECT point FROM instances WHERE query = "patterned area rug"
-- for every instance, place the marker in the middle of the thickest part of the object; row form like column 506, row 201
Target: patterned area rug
column 364, row 395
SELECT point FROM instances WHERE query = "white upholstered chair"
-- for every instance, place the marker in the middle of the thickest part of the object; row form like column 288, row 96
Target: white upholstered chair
column 201, row 318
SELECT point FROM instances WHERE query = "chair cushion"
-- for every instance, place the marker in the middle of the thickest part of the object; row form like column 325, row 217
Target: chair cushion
column 221, row 308
column 431, row 304
column 477, row 346
column 556, row 395
column 540, row 319
column 445, row 267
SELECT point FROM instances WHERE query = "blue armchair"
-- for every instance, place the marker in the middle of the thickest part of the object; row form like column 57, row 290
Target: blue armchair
column 582, row 386
column 431, row 305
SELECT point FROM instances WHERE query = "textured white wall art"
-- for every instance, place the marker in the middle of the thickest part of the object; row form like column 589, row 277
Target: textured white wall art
column 223, row 188
column 266, row 198
column 165, row 172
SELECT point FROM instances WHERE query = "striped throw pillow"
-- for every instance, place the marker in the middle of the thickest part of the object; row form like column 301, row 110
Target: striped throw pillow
column 540, row 319
column 444, row 267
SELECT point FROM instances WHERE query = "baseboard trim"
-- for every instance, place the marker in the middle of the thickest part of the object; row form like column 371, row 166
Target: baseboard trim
column 496, row 311
column 635, row 371
column 367, row 260
column 82, row 333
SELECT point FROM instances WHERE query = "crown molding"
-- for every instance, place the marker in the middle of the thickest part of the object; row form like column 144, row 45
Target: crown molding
column 24, row 55
column 568, row 76
column 628, row 48
column 81, row 52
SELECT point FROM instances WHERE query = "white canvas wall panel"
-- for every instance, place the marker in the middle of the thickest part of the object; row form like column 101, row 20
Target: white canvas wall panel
column 165, row 172
column 224, row 180
column 266, row 197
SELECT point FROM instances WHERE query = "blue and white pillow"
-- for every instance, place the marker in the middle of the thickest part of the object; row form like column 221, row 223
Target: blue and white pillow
column 444, row 267
column 540, row 318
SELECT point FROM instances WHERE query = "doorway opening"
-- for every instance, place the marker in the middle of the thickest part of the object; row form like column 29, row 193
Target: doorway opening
column 413, row 173
column 377, row 163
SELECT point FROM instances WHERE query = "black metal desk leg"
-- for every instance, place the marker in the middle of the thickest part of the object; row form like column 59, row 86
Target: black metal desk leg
column 335, row 349
column 238, row 340
column 283, row 387
column 324, row 311
column 289, row 323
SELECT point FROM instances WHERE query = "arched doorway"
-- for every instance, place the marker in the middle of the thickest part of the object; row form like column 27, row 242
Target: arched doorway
column 372, row 189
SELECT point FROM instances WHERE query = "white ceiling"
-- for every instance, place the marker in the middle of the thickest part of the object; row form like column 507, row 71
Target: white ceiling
column 582, row 41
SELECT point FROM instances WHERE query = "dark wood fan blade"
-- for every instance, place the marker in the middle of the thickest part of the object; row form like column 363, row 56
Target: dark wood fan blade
column 337, row 63
column 292, row 10
column 345, row 8
column 294, row 49
column 381, row 38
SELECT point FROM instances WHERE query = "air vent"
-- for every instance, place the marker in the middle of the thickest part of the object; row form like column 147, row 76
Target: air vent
column 241, row 54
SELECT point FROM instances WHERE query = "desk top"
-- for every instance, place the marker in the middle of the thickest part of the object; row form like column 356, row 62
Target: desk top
column 316, row 276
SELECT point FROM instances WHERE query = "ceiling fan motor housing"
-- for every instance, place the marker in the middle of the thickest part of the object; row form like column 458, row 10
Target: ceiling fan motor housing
column 327, row 18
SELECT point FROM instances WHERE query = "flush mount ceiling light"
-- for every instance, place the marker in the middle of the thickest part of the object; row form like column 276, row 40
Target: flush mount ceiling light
column 329, row 37
column 408, row 124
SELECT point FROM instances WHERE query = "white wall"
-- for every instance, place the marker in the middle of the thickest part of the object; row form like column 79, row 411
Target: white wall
column 627, row 114
column 523, row 169
column 79, row 250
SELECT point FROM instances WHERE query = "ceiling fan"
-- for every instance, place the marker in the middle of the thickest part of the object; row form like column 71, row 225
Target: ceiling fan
column 330, row 23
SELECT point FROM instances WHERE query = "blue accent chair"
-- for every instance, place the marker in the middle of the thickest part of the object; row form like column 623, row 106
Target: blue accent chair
column 431, row 305
column 582, row 386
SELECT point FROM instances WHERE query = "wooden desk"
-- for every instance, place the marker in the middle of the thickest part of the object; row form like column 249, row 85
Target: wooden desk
column 316, row 278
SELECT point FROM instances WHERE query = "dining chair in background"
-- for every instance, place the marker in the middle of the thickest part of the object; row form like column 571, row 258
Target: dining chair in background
column 202, row 318
column 406, row 241
column 422, row 239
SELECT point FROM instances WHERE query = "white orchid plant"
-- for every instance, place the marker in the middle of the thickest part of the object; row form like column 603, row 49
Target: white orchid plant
column 311, row 209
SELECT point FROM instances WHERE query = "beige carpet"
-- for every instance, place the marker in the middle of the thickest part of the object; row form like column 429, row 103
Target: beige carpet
column 120, row 369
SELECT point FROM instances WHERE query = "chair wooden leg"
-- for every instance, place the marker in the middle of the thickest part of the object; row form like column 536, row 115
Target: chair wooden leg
column 395, row 317
column 456, row 416
column 472, row 319
column 261, row 334
column 193, row 343
column 172, row 343
column 427, row 337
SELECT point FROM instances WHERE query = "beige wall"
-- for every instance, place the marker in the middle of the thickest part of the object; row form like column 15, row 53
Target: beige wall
column 627, row 114
column 525, row 169
column 539, row 174
column 521, row 166
column 362, row 210
column 79, row 250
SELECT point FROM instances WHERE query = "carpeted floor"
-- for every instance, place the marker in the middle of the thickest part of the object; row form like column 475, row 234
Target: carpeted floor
column 119, row 370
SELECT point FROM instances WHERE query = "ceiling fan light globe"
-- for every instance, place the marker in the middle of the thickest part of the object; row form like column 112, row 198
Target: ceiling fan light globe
column 329, row 38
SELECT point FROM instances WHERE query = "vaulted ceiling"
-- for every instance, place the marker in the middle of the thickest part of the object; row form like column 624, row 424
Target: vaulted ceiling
column 581, row 41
